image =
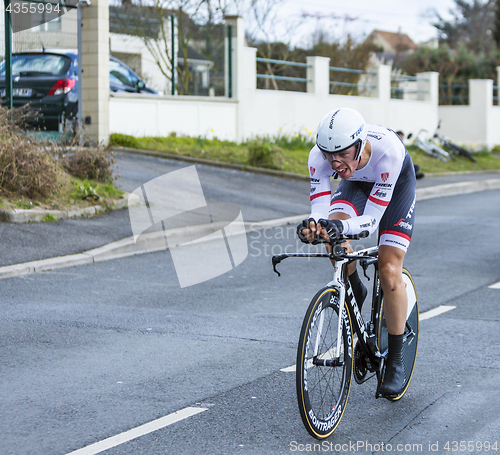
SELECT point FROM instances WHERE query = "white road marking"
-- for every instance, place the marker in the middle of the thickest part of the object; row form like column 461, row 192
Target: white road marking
column 435, row 312
column 495, row 286
column 134, row 433
column 422, row 317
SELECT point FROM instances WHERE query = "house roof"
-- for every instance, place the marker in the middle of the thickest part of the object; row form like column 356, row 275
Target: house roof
column 393, row 42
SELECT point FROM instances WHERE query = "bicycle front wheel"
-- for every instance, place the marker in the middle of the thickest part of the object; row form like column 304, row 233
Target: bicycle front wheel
column 410, row 342
column 324, row 367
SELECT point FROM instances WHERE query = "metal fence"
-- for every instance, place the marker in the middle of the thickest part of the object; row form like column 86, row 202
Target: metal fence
column 292, row 76
column 352, row 82
column 282, row 75
column 403, row 86
column 453, row 94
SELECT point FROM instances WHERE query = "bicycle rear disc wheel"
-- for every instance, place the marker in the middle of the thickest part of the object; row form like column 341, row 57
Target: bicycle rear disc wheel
column 410, row 343
column 323, row 379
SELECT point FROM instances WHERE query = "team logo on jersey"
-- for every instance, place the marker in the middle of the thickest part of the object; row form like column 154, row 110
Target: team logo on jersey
column 312, row 170
column 384, row 176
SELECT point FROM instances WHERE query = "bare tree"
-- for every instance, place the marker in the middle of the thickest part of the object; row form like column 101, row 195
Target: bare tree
column 194, row 21
column 271, row 32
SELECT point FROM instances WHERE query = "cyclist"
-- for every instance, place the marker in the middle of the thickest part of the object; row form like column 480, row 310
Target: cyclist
column 377, row 191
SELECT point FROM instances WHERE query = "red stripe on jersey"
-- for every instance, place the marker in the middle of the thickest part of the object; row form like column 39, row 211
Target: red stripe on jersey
column 324, row 193
column 400, row 234
column 378, row 201
column 342, row 201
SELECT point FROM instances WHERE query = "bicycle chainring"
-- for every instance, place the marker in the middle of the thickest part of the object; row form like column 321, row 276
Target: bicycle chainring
column 360, row 366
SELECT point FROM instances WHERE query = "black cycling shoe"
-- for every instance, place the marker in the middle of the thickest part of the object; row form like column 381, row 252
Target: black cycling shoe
column 393, row 382
column 358, row 288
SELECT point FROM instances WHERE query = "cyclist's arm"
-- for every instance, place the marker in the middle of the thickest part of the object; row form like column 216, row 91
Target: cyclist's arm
column 387, row 172
column 320, row 195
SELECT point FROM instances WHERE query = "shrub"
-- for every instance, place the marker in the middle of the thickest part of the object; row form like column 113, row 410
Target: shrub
column 34, row 169
column 262, row 153
column 90, row 163
column 124, row 140
column 26, row 169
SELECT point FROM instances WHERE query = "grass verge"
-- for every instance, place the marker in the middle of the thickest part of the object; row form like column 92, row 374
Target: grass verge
column 288, row 154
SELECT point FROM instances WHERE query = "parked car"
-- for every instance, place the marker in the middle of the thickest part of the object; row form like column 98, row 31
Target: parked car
column 48, row 81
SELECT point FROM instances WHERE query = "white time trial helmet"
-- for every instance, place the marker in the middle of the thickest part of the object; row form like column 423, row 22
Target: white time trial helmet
column 341, row 129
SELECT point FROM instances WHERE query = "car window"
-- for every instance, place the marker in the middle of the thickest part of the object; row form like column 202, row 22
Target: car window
column 121, row 76
column 38, row 64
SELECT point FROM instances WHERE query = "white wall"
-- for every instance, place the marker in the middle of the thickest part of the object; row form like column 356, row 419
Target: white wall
column 476, row 124
column 252, row 112
column 148, row 115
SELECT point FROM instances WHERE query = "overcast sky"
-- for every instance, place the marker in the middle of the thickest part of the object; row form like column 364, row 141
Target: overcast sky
column 360, row 17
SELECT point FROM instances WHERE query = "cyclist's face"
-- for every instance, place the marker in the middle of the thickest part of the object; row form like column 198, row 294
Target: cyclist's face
column 343, row 163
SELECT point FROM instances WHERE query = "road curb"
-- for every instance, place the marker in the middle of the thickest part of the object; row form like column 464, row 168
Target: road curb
column 455, row 189
column 155, row 241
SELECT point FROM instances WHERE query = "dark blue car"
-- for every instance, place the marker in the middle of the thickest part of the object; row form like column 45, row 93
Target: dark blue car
column 48, row 81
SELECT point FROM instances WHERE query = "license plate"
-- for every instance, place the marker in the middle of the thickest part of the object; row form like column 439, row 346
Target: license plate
column 18, row 92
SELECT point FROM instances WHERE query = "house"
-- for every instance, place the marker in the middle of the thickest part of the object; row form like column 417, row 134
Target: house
column 391, row 42
column 393, row 47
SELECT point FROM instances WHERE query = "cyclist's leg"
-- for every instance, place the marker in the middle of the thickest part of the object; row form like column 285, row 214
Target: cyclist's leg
column 396, row 228
column 410, row 339
column 390, row 262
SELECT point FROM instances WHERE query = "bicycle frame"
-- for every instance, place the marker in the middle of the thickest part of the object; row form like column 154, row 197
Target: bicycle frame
column 340, row 282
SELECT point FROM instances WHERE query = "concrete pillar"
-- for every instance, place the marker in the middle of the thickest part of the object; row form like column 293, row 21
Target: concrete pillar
column 481, row 107
column 383, row 83
column 428, row 87
column 249, row 74
column 95, row 67
column 497, row 91
column 481, row 92
column 319, row 75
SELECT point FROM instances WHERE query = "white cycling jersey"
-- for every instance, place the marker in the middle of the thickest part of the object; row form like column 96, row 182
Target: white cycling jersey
column 383, row 169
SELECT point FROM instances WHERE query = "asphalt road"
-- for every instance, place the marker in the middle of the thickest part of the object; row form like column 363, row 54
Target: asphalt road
column 90, row 352
column 260, row 197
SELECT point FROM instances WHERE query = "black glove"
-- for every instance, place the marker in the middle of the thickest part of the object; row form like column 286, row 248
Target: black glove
column 334, row 228
column 303, row 225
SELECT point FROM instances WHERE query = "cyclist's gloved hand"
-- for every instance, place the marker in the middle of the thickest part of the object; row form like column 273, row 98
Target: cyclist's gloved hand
column 334, row 228
column 304, row 225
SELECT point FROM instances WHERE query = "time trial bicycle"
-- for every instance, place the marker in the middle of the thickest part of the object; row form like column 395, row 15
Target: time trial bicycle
column 326, row 356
